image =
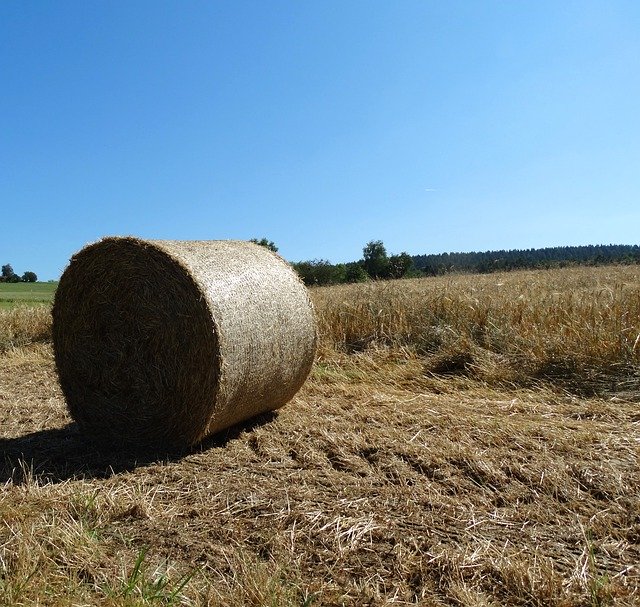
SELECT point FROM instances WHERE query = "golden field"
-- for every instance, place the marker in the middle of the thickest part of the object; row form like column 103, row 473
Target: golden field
column 462, row 440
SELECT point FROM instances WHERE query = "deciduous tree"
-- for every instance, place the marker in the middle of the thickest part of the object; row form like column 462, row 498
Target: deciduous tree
column 7, row 272
column 399, row 265
column 376, row 262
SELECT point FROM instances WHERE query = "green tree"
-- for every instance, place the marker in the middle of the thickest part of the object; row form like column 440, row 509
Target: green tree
column 355, row 272
column 29, row 277
column 7, row 273
column 305, row 271
column 400, row 265
column 320, row 272
column 264, row 242
column 339, row 274
column 376, row 262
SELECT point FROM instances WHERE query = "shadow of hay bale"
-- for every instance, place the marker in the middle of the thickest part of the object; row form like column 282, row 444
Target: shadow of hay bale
column 59, row 454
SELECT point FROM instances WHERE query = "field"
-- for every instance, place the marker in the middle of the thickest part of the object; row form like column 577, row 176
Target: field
column 467, row 440
column 31, row 293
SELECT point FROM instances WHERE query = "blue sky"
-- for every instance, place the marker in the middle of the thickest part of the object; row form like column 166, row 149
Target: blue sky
column 433, row 126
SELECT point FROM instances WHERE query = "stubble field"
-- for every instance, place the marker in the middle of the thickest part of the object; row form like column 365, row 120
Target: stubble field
column 468, row 440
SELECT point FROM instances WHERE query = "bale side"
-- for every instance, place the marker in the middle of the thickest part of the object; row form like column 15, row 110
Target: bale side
column 264, row 321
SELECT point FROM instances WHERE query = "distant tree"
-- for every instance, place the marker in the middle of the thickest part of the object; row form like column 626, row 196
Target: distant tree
column 263, row 242
column 355, row 272
column 321, row 271
column 400, row 265
column 376, row 262
column 305, row 272
column 318, row 272
column 7, row 272
column 13, row 278
column 550, row 257
column 29, row 277
column 339, row 274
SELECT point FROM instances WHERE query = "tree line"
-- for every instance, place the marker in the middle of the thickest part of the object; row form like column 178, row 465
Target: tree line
column 376, row 264
column 8, row 275
column 526, row 259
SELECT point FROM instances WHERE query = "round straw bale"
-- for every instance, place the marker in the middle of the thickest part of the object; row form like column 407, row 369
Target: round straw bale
column 161, row 343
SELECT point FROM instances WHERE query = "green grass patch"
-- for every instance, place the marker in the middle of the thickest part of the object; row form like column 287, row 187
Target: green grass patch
column 29, row 293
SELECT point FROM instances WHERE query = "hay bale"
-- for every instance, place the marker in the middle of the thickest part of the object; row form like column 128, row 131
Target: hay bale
column 161, row 343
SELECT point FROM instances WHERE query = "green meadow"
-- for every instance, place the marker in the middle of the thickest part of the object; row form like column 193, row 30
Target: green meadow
column 27, row 293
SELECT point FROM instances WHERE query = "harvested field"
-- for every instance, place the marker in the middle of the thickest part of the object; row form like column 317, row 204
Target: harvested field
column 454, row 472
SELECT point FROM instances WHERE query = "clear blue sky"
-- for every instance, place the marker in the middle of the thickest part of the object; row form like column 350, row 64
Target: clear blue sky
column 433, row 125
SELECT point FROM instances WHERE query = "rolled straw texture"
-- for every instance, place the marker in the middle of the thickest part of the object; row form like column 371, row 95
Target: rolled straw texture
column 161, row 343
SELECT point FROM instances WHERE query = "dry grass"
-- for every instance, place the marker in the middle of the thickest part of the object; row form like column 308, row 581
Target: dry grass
column 22, row 325
column 581, row 325
column 383, row 482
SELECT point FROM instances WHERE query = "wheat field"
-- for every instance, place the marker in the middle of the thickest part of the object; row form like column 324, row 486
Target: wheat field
column 462, row 440
column 590, row 315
